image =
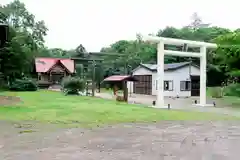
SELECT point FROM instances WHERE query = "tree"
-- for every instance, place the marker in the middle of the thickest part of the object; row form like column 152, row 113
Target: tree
column 197, row 22
column 26, row 38
column 17, row 16
column 58, row 52
column 80, row 51
column 228, row 54
column 135, row 52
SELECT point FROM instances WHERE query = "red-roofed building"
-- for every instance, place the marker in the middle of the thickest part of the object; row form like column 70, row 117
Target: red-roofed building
column 52, row 70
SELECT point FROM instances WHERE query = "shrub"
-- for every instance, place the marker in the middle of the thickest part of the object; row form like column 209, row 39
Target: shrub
column 232, row 90
column 73, row 85
column 23, row 85
column 216, row 92
column 120, row 99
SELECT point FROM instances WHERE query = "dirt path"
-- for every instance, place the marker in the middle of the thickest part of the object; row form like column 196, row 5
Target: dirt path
column 8, row 100
column 166, row 140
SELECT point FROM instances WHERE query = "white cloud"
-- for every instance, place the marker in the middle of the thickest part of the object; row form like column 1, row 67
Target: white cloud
column 96, row 23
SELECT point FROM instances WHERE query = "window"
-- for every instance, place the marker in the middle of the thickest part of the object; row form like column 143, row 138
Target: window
column 185, row 85
column 168, row 85
column 156, row 85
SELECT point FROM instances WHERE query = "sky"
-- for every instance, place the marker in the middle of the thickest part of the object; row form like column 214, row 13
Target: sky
column 98, row 23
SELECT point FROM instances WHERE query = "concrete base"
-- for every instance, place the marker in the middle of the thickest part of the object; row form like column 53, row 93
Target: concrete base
column 163, row 107
column 204, row 105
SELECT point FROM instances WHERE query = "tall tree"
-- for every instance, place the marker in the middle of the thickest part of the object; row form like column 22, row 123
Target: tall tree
column 81, row 51
column 197, row 22
column 26, row 37
column 228, row 54
column 17, row 16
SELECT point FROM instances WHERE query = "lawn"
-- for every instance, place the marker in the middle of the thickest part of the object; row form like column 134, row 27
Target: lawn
column 54, row 107
column 226, row 101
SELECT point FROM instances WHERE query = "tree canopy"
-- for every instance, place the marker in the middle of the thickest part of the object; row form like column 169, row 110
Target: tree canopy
column 26, row 41
column 222, row 63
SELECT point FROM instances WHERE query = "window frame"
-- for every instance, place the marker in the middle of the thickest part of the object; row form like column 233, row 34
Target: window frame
column 168, row 84
column 165, row 81
column 185, row 83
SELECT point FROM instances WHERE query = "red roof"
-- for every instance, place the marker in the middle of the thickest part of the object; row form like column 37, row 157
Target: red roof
column 119, row 78
column 45, row 64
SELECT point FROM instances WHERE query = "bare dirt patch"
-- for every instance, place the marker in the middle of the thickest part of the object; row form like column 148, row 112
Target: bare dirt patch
column 168, row 140
column 9, row 100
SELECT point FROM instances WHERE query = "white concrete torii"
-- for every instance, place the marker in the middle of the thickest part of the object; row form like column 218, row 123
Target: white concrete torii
column 160, row 63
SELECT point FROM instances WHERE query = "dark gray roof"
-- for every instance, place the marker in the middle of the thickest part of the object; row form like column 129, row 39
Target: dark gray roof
column 170, row 66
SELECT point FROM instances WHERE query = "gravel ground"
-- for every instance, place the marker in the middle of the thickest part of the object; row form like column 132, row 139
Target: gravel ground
column 168, row 140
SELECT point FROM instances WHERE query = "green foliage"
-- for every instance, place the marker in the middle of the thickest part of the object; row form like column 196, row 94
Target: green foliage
column 80, row 51
column 134, row 52
column 25, row 38
column 228, row 54
column 23, row 85
column 216, row 92
column 79, row 70
column 26, row 41
column 232, row 90
column 72, row 85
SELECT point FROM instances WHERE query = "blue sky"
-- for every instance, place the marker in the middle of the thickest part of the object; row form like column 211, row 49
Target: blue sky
column 98, row 23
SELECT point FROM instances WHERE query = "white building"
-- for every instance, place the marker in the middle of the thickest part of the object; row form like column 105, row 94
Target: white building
column 180, row 80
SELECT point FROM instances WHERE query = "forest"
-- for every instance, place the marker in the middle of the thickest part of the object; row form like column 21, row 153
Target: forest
column 26, row 41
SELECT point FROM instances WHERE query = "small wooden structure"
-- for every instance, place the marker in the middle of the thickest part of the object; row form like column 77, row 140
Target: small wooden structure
column 53, row 70
column 120, row 82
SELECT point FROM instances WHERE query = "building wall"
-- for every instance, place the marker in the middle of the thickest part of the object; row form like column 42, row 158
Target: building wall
column 42, row 77
column 138, row 71
column 181, row 74
column 57, row 69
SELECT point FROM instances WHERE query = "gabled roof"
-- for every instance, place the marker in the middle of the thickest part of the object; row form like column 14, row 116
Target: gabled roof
column 167, row 67
column 115, row 78
column 45, row 64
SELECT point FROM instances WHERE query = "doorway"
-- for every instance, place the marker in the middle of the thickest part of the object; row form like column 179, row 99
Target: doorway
column 143, row 85
column 195, row 85
column 57, row 77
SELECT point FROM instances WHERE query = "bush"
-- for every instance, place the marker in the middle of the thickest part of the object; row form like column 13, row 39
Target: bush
column 216, row 92
column 73, row 85
column 23, row 85
column 120, row 99
column 232, row 90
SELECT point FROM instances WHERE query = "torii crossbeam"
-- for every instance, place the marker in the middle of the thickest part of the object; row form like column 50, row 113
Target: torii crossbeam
column 160, row 63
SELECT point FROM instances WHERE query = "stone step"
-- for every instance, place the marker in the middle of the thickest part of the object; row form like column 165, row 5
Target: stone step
column 55, row 86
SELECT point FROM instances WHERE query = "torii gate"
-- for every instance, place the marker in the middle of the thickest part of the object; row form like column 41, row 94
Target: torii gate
column 160, row 63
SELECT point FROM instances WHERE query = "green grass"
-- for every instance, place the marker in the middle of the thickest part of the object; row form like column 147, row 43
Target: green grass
column 54, row 107
column 227, row 101
column 104, row 90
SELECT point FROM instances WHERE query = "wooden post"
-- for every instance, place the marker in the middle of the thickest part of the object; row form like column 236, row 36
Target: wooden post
column 125, row 91
column 93, row 79
column 114, row 89
column 87, row 89
column 101, row 77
